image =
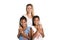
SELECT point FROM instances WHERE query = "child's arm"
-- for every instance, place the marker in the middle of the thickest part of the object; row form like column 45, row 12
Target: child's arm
column 35, row 34
column 23, row 34
column 19, row 32
column 30, row 34
column 40, row 29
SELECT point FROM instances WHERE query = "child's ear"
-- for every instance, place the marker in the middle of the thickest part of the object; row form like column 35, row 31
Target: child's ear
column 20, row 24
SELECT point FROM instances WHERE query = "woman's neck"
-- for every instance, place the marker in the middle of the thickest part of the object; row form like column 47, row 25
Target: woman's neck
column 29, row 15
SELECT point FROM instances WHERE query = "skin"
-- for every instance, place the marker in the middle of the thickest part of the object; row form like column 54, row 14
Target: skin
column 29, row 11
column 38, row 27
column 29, row 14
column 21, row 30
column 30, row 33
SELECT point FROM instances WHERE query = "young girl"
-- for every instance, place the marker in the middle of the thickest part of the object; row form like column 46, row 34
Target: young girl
column 37, row 29
column 23, row 29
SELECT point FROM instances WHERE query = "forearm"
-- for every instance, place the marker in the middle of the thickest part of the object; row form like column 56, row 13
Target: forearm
column 18, row 35
column 40, row 29
column 35, row 34
column 24, row 35
column 42, row 33
column 29, row 34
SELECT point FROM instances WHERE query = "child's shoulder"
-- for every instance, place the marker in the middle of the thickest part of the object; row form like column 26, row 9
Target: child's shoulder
column 20, row 27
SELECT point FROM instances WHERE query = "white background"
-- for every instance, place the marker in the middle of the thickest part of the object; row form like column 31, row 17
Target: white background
column 12, row 10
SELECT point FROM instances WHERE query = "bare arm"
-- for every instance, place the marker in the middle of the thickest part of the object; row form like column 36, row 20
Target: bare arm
column 40, row 29
column 35, row 34
column 30, row 33
column 19, row 32
column 23, row 33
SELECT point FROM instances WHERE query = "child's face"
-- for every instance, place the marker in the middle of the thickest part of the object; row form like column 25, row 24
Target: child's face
column 36, row 21
column 23, row 23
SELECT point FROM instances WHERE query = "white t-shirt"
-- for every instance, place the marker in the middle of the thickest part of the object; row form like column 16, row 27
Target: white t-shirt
column 29, row 21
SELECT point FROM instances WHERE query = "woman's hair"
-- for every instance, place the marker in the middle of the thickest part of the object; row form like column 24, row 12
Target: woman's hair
column 32, row 13
column 34, row 19
column 22, row 18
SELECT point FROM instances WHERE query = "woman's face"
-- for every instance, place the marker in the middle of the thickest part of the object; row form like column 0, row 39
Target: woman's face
column 36, row 21
column 23, row 23
column 29, row 9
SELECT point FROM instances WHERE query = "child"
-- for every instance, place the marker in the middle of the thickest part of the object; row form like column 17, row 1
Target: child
column 23, row 29
column 37, row 29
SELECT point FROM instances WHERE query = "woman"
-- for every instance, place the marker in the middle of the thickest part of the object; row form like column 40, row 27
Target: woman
column 37, row 29
column 23, row 29
column 29, row 14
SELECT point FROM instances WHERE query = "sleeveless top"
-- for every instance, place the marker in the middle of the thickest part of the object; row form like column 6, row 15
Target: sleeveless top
column 26, row 32
column 29, row 21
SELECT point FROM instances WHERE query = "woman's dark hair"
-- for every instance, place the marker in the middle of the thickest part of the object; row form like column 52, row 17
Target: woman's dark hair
column 34, row 19
column 22, row 18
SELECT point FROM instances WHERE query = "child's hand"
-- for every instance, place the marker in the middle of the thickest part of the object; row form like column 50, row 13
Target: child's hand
column 21, row 30
column 38, row 34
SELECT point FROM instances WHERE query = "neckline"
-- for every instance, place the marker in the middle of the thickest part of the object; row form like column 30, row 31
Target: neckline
column 28, row 17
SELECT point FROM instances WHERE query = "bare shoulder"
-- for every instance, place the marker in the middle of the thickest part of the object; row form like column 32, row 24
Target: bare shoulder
column 20, row 27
